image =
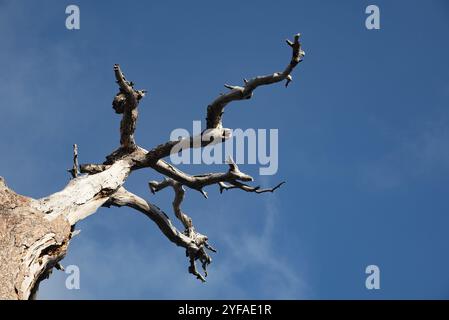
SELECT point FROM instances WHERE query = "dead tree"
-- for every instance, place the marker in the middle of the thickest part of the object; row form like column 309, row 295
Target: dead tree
column 35, row 233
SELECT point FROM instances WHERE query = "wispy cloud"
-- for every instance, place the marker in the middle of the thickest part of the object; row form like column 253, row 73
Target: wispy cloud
column 424, row 153
column 259, row 253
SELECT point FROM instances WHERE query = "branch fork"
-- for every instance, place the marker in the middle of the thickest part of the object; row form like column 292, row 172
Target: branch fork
column 175, row 178
column 101, row 185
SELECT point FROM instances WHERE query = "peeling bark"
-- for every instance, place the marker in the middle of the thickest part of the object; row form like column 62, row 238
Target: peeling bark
column 35, row 233
column 30, row 244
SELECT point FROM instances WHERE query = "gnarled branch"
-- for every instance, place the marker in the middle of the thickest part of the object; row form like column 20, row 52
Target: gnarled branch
column 194, row 242
column 46, row 225
column 125, row 102
column 215, row 109
column 198, row 182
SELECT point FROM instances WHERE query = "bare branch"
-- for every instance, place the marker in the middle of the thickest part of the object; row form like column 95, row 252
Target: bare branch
column 84, row 194
column 244, row 187
column 194, row 242
column 43, row 227
column 215, row 109
column 125, row 102
column 207, row 137
column 198, row 182
column 215, row 132
column 125, row 86
column 179, row 197
column 123, row 197
column 74, row 171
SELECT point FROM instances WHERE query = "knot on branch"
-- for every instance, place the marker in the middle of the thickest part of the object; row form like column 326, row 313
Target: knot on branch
column 118, row 104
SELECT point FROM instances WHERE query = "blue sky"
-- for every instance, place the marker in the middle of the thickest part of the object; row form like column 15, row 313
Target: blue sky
column 363, row 128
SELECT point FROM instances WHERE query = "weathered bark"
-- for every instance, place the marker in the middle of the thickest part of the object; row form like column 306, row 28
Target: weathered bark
column 31, row 245
column 35, row 233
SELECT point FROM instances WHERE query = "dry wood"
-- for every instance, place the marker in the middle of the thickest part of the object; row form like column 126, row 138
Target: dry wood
column 35, row 233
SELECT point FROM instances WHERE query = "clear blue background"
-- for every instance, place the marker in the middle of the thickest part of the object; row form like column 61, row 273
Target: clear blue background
column 364, row 134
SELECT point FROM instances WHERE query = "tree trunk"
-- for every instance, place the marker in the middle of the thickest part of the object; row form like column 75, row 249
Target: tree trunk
column 30, row 244
column 34, row 234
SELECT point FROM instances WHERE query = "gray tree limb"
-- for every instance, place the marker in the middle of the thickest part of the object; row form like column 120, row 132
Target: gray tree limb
column 216, row 108
column 35, row 233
